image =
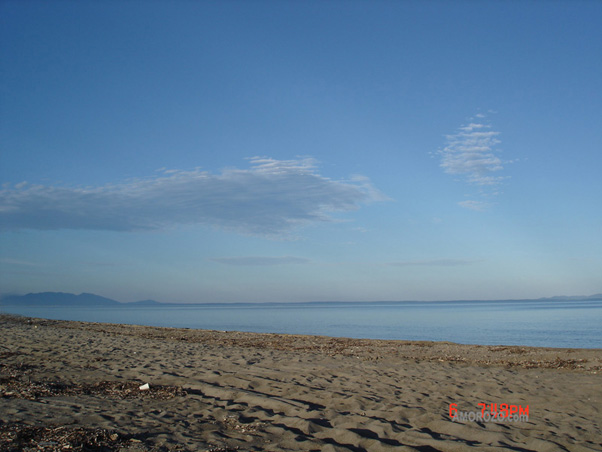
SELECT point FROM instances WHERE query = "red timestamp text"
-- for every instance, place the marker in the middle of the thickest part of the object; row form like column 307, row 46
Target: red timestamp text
column 499, row 410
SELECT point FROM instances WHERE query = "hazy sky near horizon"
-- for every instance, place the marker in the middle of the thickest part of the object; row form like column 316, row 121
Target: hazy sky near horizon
column 301, row 151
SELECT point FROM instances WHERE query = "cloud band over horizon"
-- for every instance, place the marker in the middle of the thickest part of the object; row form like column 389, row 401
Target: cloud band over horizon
column 270, row 198
column 260, row 260
column 434, row 263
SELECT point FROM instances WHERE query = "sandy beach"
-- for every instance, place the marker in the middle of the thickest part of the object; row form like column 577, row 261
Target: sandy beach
column 76, row 386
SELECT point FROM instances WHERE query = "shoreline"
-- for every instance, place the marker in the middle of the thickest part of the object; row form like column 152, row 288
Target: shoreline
column 481, row 327
column 213, row 390
column 584, row 359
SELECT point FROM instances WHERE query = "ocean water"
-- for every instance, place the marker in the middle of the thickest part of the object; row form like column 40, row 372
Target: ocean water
column 556, row 323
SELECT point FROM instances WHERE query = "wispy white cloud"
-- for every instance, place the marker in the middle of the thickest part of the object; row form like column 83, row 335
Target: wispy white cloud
column 9, row 261
column 100, row 264
column 479, row 206
column 269, row 198
column 472, row 154
column 434, row 263
column 260, row 260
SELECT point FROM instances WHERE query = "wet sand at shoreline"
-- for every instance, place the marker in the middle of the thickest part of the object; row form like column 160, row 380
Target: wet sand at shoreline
column 64, row 383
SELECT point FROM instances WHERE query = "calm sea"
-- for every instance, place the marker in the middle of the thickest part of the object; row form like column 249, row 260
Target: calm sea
column 572, row 324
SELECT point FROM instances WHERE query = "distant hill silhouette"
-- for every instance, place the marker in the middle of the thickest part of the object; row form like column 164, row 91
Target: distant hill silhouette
column 92, row 300
column 58, row 299
column 597, row 296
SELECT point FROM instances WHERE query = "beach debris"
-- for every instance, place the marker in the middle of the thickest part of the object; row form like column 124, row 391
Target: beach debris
column 13, row 384
column 240, row 424
column 50, row 438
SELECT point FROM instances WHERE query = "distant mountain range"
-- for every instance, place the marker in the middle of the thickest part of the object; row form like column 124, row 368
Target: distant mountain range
column 68, row 299
column 91, row 300
column 597, row 296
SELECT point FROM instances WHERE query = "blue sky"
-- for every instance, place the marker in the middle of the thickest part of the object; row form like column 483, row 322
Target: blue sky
column 301, row 151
